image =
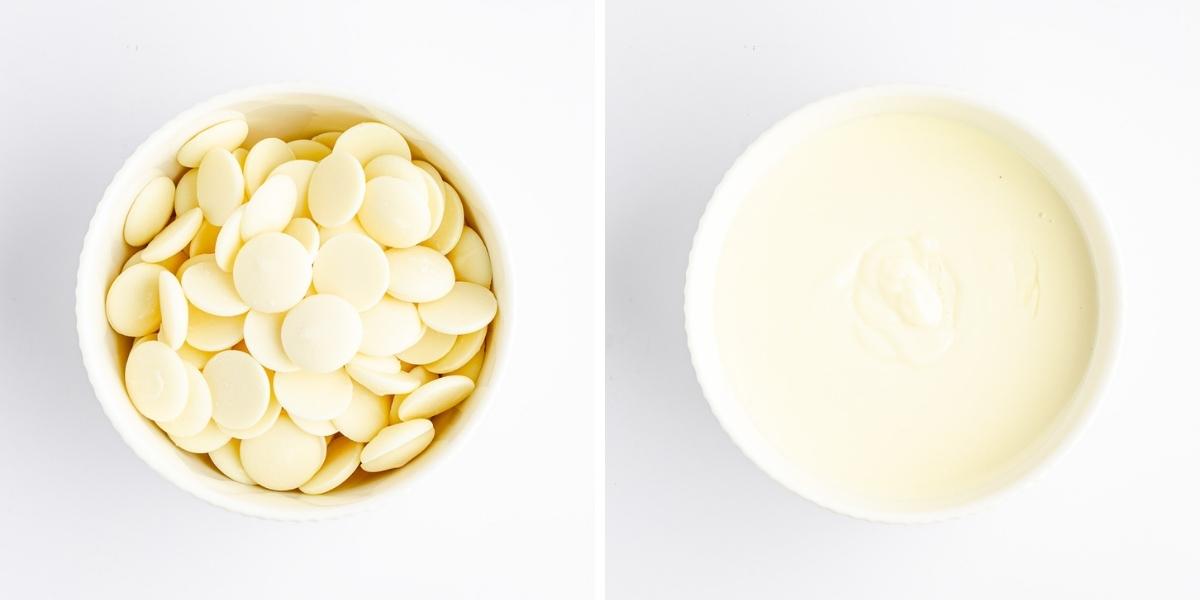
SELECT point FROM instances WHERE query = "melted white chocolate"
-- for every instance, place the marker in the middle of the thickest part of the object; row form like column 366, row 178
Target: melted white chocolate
column 904, row 304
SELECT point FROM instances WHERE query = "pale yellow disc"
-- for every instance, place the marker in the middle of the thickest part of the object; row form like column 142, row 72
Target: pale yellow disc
column 437, row 204
column 432, row 346
column 341, row 461
column 396, row 445
column 156, row 381
column 284, row 457
column 314, row 396
column 185, row 193
column 329, row 138
column 365, row 417
column 305, row 232
column 198, row 410
column 390, row 327
column 211, row 290
column 174, row 308
column 472, row 368
column 169, row 264
column 229, row 240
column 321, row 334
column 262, row 158
column 428, row 168
column 205, row 241
column 389, row 165
column 436, row 397
column 381, row 364
column 228, row 461
column 396, row 212
column 418, row 274
column 352, row 267
column 258, row 428
column 272, row 272
column 382, row 383
column 468, row 307
column 394, row 410
column 270, row 208
column 210, row 438
column 191, row 262
column 300, row 172
column 470, row 259
column 194, row 356
column 308, row 149
column 335, row 192
column 396, row 166
column 211, row 333
column 262, row 336
column 240, row 389
column 321, row 427
column 465, row 347
column 451, row 228
column 423, row 377
column 227, row 136
column 132, row 303
column 174, row 238
column 134, row 259
column 150, row 211
column 220, row 186
column 365, row 141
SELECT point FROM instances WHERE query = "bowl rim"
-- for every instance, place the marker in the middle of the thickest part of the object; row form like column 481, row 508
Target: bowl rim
column 702, row 345
column 498, row 348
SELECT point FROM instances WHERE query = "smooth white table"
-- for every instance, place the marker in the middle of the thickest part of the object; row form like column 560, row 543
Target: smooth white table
column 511, row 88
column 1116, row 88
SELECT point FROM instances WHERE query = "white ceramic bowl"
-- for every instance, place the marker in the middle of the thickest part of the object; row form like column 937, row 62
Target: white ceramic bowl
column 762, row 155
column 287, row 112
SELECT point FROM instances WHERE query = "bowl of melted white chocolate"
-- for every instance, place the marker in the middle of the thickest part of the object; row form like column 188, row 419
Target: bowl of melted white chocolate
column 900, row 303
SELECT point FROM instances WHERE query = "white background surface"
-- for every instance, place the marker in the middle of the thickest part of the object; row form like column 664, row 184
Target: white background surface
column 508, row 88
column 1116, row 88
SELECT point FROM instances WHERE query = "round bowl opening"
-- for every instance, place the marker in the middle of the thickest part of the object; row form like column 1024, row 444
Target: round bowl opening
column 288, row 113
column 763, row 155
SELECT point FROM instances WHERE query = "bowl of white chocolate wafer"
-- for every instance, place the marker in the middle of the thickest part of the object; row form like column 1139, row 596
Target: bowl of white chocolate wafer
column 293, row 303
